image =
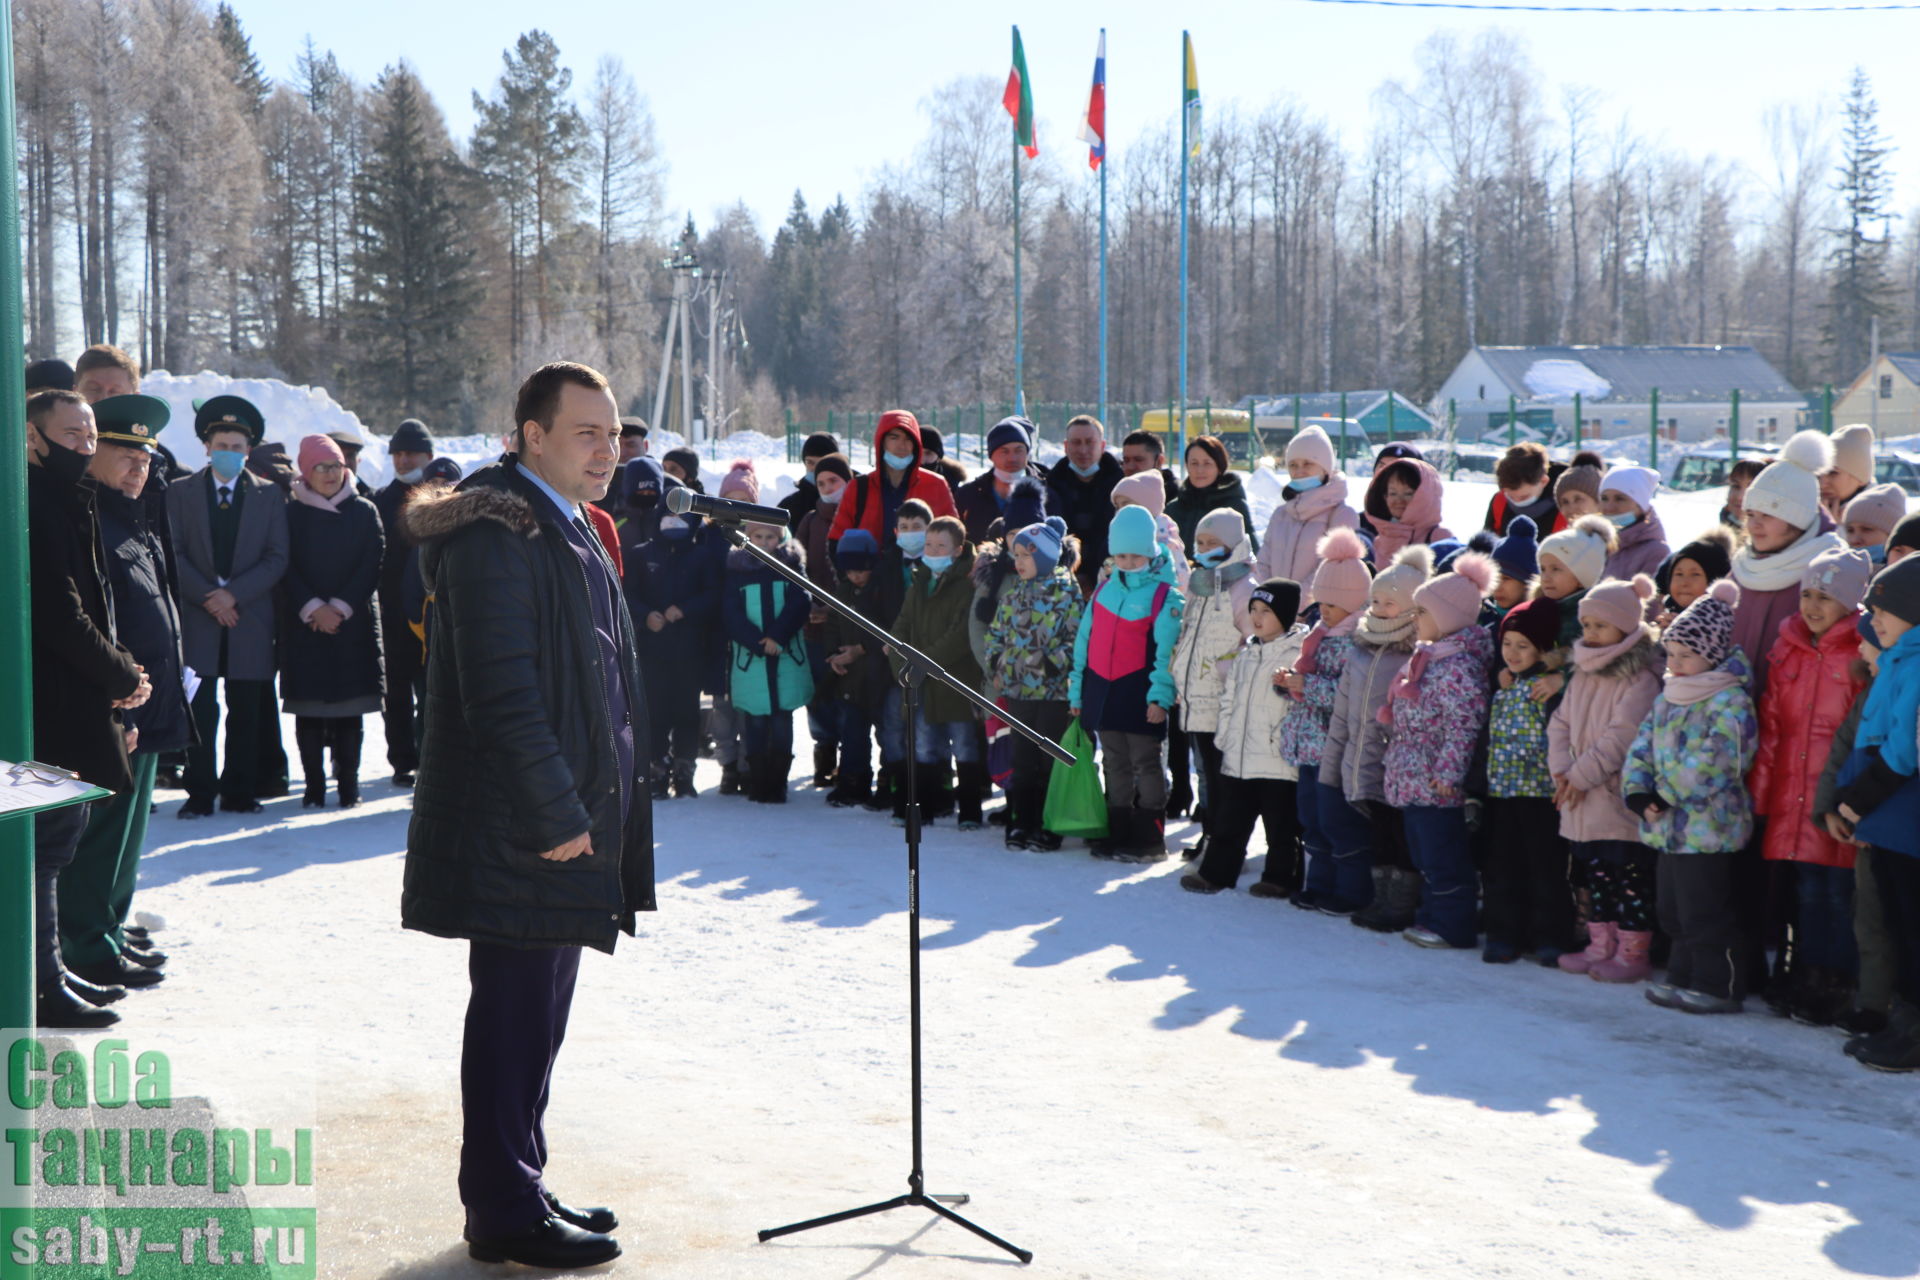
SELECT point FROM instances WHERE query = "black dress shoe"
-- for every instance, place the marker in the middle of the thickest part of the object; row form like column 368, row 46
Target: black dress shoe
column 58, row 1007
column 135, row 931
column 241, row 806
column 148, row 959
column 549, row 1243
column 403, row 778
column 91, row 993
column 120, row 972
column 601, row 1220
column 272, row 789
column 194, row 809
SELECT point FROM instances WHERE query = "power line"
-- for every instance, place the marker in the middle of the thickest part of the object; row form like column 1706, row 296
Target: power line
column 1607, row 8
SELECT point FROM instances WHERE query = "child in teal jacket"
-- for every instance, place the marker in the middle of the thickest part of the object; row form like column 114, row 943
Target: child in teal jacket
column 1122, row 687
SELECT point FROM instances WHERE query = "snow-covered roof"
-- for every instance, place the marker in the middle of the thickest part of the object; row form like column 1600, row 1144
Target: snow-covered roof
column 1631, row 374
column 1908, row 363
column 1325, row 404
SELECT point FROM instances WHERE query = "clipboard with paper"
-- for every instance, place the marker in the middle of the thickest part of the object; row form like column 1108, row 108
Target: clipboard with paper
column 31, row 787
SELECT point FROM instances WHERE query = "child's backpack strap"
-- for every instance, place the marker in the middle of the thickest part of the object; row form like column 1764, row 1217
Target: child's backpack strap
column 1159, row 600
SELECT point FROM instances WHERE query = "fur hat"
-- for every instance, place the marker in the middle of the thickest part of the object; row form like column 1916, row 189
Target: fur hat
column 1881, row 507
column 1312, row 445
column 1840, row 572
column 1706, row 625
column 1896, row 589
column 1134, row 532
column 1537, row 620
column 1043, row 539
column 1143, row 489
column 1407, row 574
column 1282, row 595
column 1517, row 555
column 1454, row 598
column 1342, row 579
column 1583, row 548
column 1224, row 523
column 1789, row 489
column 1712, row 551
column 1853, row 451
column 1621, row 605
column 1638, row 483
column 741, row 482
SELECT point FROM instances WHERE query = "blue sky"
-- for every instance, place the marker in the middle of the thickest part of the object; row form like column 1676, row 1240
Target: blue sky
column 752, row 99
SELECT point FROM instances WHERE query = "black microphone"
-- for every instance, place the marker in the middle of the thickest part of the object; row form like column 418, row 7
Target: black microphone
column 682, row 501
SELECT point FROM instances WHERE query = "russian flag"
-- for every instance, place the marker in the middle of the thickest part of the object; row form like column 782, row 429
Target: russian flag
column 1093, row 126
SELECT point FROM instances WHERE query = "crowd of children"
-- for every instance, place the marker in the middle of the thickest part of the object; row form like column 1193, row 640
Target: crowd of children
column 1560, row 739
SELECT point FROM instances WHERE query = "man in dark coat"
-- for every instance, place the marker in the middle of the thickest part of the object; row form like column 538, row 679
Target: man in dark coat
column 410, row 449
column 1142, row 451
column 230, row 544
column 82, row 676
column 806, row 495
column 532, row 831
column 983, row 499
column 96, row 889
column 1080, row 491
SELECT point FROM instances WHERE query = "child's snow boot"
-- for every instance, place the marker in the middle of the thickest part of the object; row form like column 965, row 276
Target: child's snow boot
column 1629, row 962
column 1149, row 837
column 730, row 779
column 1601, row 940
column 969, row 791
column 1119, row 833
column 824, row 756
column 773, row 778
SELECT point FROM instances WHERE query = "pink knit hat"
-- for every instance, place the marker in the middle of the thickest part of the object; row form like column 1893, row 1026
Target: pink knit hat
column 1881, row 507
column 1342, row 579
column 1143, row 489
column 1621, row 605
column 741, row 481
column 1312, row 445
column 1454, row 598
column 315, row 450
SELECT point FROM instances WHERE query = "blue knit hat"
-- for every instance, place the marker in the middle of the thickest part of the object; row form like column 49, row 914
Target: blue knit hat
column 1010, row 431
column 856, row 550
column 1517, row 555
column 1026, row 503
column 1044, row 541
column 1133, row 533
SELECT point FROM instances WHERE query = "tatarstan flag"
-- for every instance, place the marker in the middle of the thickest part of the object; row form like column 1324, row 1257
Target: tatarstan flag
column 1190, row 96
column 1018, row 99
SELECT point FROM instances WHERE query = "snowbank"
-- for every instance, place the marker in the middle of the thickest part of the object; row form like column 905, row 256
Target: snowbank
column 290, row 412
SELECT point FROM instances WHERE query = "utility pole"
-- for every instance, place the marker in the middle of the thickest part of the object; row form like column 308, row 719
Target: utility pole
column 1873, row 380
column 685, row 266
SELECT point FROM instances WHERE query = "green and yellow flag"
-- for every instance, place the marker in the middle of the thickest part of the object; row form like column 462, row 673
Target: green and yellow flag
column 1018, row 99
column 1189, row 97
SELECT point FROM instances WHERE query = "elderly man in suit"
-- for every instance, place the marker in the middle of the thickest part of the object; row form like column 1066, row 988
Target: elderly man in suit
column 230, row 542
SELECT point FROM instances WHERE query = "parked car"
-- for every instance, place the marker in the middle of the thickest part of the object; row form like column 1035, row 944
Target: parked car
column 1902, row 469
column 1706, row 466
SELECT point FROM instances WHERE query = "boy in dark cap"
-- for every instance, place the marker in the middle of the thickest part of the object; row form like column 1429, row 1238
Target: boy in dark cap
column 49, row 375
column 411, row 450
column 806, row 495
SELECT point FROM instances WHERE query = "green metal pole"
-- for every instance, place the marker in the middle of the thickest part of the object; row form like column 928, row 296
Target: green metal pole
column 1579, row 419
column 1653, row 431
column 1733, row 430
column 16, row 637
column 1827, row 416
column 1389, row 417
column 789, row 433
column 1512, row 406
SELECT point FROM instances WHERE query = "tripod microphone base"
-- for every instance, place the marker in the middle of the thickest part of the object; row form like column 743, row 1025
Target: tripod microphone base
column 937, row 1204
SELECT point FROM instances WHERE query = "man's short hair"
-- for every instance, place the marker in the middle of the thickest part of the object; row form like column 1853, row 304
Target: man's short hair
column 102, row 355
column 914, row 509
column 1747, row 469
column 1086, row 420
column 952, row 527
column 539, row 397
column 1524, row 464
column 41, row 404
column 1147, row 440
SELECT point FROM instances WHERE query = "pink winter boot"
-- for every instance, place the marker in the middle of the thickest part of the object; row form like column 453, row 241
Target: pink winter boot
column 1600, row 941
column 1629, row 963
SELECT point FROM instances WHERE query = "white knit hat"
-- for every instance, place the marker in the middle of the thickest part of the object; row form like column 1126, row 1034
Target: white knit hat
column 1411, row 568
column 1638, row 483
column 1853, row 451
column 1312, row 445
column 1789, row 489
column 1583, row 548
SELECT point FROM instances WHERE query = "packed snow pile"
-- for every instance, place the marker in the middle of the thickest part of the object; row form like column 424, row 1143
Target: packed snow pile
column 1565, row 379
column 290, row 412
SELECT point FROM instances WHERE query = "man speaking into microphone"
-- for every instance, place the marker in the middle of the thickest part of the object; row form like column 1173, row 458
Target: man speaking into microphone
column 532, row 834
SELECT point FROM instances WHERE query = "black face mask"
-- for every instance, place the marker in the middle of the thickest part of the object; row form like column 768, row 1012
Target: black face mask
column 643, row 500
column 68, row 464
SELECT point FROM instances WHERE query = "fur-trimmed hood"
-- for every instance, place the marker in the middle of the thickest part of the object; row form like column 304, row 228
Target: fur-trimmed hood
column 434, row 513
column 1645, row 655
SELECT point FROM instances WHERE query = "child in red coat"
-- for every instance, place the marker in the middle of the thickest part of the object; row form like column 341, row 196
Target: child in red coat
column 1815, row 679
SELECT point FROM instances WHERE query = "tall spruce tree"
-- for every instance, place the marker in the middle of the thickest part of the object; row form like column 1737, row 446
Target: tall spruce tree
column 415, row 270
column 1859, row 292
column 242, row 64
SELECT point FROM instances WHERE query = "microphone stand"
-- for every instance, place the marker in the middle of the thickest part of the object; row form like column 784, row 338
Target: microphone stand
column 916, row 669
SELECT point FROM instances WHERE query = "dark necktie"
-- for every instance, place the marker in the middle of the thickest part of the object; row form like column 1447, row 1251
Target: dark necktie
column 226, row 497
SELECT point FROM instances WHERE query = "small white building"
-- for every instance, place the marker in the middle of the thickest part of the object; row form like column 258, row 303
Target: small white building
column 1886, row 395
column 1613, row 388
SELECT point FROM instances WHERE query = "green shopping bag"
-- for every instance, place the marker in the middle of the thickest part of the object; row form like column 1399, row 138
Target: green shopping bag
column 1076, row 803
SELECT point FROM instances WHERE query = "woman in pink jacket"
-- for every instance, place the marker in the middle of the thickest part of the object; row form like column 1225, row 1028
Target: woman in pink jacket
column 1313, row 504
column 1617, row 664
column 1404, row 504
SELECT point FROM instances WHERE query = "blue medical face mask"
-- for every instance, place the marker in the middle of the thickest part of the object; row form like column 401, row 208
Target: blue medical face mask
column 227, row 462
column 1085, row 473
column 1877, row 554
column 939, row 564
column 912, row 542
column 1305, row 483
column 897, row 462
column 1626, row 519
column 1211, row 559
